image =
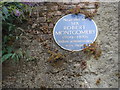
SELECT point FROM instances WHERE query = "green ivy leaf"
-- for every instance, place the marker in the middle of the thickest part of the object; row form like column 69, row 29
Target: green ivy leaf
column 13, row 56
column 6, row 56
column 17, row 57
column 9, row 49
column 20, row 54
column 5, row 11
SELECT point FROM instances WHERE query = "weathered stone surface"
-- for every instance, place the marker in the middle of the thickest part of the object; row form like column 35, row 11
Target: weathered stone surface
column 58, row 13
column 54, row 8
column 39, row 73
column 34, row 25
column 41, row 19
column 51, row 25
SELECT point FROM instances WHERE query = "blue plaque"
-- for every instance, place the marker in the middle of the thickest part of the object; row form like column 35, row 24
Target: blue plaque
column 72, row 31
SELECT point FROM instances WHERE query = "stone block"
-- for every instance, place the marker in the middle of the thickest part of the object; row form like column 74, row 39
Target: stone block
column 41, row 19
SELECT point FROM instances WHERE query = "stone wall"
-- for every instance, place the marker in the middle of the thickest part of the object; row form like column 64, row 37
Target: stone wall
column 68, row 73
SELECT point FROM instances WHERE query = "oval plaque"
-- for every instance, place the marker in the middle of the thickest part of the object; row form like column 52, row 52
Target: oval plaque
column 72, row 31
